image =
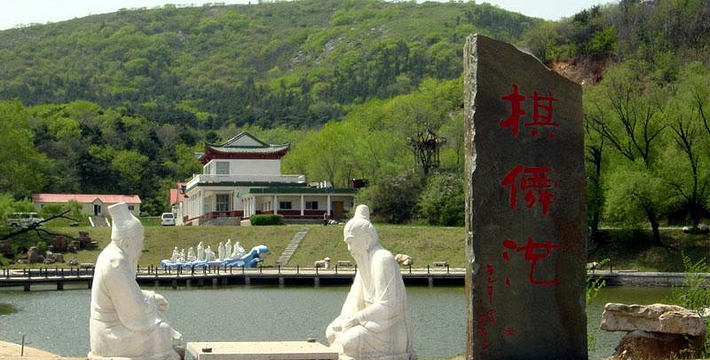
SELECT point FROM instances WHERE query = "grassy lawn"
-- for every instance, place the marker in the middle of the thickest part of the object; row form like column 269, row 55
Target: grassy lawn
column 159, row 241
column 425, row 244
column 631, row 249
column 627, row 249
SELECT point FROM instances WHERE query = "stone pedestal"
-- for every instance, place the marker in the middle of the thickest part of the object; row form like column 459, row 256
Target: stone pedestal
column 264, row 350
column 525, row 207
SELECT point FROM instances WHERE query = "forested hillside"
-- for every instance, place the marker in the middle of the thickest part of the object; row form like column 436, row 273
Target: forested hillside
column 118, row 103
column 299, row 63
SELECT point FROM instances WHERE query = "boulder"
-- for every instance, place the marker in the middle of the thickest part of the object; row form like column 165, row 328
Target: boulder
column 640, row 344
column 659, row 318
column 33, row 254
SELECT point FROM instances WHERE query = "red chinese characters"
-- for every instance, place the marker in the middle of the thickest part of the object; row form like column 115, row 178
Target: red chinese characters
column 535, row 181
column 542, row 116
column 490, row 280
column 485, row 319
column 534, row 252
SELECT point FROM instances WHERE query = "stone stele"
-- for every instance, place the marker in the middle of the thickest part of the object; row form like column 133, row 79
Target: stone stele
column 373, row 323
column 525, row 207
column 126, row 322
column 659, row 318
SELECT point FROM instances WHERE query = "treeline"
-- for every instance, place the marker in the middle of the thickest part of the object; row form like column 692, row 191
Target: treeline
column 294, row 64
column 656, row 31
column 132, row 95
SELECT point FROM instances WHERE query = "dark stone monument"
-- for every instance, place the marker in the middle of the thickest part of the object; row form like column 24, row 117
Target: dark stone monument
column 525, row 207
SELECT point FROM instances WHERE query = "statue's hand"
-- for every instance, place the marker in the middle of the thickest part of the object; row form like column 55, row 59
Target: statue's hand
column 349, row 322
column 160, row 303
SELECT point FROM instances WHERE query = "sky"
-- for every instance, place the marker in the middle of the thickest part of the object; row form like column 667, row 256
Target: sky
column 22, row 12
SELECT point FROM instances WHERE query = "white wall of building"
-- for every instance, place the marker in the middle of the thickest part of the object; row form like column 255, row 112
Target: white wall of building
column 245, row 167
column 88, row 208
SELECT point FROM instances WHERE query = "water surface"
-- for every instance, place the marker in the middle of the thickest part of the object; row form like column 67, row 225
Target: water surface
column 58, row 321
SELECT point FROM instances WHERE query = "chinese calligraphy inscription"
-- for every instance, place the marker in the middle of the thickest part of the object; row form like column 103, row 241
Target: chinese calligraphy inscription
column 524, row 207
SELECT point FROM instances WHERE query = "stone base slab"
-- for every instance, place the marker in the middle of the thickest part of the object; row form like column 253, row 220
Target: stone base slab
column 262, row 350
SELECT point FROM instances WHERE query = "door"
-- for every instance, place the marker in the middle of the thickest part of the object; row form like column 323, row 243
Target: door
column 97, row 209
column 338, row 209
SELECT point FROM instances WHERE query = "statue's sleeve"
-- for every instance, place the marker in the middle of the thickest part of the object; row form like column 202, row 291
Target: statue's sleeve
column 352, row 302
column 133, row 308
column 388, row 303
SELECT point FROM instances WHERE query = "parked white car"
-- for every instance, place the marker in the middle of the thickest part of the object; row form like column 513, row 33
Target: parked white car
column 167, row 219
column 23, row 219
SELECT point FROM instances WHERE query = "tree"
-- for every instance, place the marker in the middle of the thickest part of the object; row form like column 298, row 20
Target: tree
column 633, row 129
column 688, row 179
column 636, row 195
column 393, row 200
column 441, row 202
column 22, row 166
column 129, row 165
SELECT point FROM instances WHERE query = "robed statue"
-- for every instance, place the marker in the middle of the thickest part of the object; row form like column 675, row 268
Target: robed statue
column 127, row 322
column 373, row 323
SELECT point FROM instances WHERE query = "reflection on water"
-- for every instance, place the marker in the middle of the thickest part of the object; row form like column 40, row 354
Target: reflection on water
column 7, row 309
column 57, row 321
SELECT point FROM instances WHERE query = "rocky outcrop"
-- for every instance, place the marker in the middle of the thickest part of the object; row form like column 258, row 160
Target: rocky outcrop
column 660, row 318
column 655, row 331
column 638, row 344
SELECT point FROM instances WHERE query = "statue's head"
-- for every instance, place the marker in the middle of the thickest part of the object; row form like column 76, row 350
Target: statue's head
column 126, row 230
column 359, row 233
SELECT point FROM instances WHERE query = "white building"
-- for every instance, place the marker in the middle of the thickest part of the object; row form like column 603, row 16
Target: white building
column 91, row 204
column 242, row 177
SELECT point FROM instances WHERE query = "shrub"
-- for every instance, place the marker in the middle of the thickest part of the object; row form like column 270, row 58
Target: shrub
column 442, row 200
column 694, row 294
column 393, row 200
column 273, row 219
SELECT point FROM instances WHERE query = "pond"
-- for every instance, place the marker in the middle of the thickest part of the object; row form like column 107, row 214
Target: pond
column 57, row 321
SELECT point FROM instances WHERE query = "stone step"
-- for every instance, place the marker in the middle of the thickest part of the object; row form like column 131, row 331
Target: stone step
column 292, row 247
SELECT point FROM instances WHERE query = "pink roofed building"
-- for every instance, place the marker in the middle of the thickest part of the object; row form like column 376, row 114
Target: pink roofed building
column 91, row 204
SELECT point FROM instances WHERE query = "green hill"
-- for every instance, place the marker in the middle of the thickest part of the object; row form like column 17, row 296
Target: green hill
column 285, row 63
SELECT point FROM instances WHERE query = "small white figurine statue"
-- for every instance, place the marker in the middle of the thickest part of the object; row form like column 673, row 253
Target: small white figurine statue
column 238, row 251
column 200, row 252
column 209, row 254
column 182, row 257
column 228, row 250
column 220, row 251
column 175, row 256
column 191, row 254
column 373, row 323
column 126, row 322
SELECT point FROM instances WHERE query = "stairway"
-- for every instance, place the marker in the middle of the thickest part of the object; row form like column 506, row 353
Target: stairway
column 98, row 221
column 291, row 247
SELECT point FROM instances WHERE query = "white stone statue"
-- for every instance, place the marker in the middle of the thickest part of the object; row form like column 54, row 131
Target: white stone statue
column 191, row 254
column 220, row 251
column 182, row 257
column 200, row 252
column 127, row 322
column 228, row 249
column 175, row 256
column 209, row 254
column 238, row 251
column 373, row 323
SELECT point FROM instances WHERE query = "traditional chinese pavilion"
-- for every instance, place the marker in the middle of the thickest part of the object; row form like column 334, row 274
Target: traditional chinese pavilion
column 242, row 177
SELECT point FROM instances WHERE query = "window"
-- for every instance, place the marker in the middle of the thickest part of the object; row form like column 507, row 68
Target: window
column 311, row 205
column 222, row 168
column 222, row 202
column 131, row 207
column 285, row 205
